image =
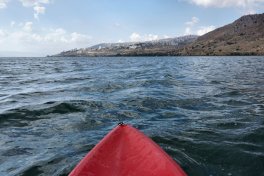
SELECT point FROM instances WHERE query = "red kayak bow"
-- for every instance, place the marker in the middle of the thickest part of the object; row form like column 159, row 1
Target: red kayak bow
column 125, row 151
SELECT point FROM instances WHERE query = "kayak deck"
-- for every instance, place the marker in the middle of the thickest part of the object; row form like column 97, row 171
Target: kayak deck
column 125, row 151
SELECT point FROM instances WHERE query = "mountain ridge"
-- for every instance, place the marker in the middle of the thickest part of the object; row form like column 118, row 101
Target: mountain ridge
column 147, row 48
column 245, row 36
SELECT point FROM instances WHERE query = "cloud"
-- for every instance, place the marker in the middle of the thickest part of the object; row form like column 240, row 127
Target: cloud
column 38, row 6
column 117, row 24
column 201, row 30
column 135, row 37
column 205, row 29
column 78, row 38
column 43, row 42
column 31, row 3
column 28, row 27
column 12, row 23
column 226, row 3
column 166, row 36
column 151, row 37
column 38, row 10
column 188, row 31
column 3, row 4
column 2, row 33
column 190, row 25
column 250, row 11
column 194, row 21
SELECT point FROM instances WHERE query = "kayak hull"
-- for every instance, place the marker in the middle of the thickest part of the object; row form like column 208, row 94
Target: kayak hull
column 125, row 151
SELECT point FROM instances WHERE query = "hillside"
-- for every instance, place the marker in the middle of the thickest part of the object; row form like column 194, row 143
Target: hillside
column 245, row 36
column 148, row 48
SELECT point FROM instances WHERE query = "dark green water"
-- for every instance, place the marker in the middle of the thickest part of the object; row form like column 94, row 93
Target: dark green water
column 205, row 112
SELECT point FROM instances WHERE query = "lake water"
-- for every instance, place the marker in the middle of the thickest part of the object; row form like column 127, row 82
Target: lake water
column 207, row 113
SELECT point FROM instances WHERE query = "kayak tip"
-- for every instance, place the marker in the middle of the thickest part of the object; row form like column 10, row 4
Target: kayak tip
column 121, row 124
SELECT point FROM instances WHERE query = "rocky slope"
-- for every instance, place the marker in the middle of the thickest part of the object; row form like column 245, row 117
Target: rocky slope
column 245, row 36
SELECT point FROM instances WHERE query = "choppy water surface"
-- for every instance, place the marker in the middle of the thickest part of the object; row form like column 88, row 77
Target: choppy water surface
column 206, row 112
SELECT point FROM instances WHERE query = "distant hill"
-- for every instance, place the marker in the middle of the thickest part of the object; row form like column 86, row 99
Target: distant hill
column 245, row 36
column 148, row 48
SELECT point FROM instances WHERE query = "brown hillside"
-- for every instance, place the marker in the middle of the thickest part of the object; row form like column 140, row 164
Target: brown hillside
column 245, row 36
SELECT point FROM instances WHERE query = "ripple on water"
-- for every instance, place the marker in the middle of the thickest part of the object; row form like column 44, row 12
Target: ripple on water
column 207, row 113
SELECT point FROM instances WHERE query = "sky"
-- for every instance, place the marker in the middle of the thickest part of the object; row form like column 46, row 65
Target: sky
column 46, row 27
